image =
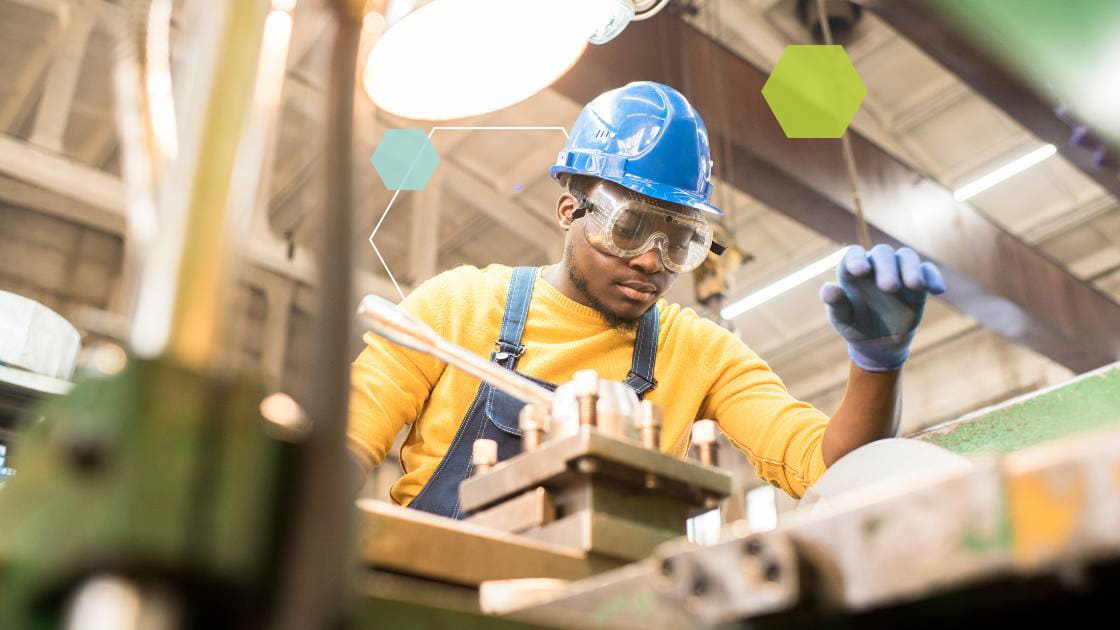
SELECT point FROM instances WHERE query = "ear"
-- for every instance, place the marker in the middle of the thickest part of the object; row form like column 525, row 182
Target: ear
column 565, row 206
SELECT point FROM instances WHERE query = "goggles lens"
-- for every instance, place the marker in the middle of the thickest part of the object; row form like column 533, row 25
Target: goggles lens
column 626, row 226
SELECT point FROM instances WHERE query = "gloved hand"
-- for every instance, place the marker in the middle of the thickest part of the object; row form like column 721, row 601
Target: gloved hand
column 878, row 303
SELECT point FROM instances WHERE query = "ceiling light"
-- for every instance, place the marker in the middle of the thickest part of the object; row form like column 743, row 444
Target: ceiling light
column 1004, row 172
column 781, row 286
column 454, row 59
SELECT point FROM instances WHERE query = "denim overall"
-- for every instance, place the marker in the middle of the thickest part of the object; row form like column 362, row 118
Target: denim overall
column 494, row 414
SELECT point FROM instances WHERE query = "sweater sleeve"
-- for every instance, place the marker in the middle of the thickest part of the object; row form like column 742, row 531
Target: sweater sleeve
column 390, row 384
column 781, row 436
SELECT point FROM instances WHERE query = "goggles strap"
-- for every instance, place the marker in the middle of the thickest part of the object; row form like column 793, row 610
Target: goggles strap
column 584, row 205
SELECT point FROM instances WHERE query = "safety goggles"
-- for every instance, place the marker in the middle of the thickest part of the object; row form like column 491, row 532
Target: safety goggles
column 621, row 223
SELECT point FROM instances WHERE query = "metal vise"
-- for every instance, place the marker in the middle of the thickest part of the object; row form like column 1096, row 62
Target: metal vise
column 591, row 476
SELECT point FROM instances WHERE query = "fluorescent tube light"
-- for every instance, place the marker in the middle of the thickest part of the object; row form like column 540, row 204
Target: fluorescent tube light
column 1005, row 172
column 781, row 286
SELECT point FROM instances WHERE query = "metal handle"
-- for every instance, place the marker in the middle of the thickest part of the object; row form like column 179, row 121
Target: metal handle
column 384, row 318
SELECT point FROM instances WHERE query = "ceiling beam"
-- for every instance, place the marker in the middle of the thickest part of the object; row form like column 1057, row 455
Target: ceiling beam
column 32, row 197
column 309, row 29
column 74, row 180
column 53, row 115
column 992, row 275
column 423, row 251
column 920, row 22
column 529, row 168
column 95, row 199
column 502, row 210
column 25, row 83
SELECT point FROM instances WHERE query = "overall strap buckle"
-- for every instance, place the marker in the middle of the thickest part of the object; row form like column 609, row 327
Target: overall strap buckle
column 508, row 350
column 647, row 383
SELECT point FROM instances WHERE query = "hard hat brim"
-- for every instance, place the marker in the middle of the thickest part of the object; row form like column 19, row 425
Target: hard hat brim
column 664, row 192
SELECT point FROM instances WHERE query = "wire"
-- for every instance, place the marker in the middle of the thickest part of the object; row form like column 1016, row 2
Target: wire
column 645, row 15
column 846, row 149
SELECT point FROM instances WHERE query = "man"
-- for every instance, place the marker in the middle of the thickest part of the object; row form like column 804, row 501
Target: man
column 637, row 177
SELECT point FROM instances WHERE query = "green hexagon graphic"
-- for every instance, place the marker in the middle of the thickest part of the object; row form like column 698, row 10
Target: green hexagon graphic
column 405, row 159
column 814, row 91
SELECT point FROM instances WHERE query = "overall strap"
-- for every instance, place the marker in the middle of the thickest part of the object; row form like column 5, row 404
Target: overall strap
column 640, row 378
column 516, row 313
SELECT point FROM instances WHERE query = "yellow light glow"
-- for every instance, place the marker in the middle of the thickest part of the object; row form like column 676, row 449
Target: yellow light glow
column 453, row 59
column 284, row 5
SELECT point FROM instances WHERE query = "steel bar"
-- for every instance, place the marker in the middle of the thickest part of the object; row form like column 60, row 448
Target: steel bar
column 314, row 559
column 385, row 319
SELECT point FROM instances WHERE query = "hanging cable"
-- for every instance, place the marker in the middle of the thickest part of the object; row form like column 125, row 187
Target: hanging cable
column 846, row 148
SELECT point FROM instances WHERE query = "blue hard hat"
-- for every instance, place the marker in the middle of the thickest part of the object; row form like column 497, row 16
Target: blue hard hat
column 644, row 136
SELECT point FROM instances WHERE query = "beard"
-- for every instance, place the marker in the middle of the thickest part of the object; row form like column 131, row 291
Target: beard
column 580, row 283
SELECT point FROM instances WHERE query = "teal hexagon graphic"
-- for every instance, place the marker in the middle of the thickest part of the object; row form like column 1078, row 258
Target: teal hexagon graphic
column 405, row 159
column 814, row 91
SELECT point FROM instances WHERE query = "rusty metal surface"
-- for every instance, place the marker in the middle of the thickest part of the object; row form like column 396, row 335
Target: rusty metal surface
column 1063, row 502
column 411, row 542
column 1046, row 510
column 944, row 532
column 625, row 462
column 682, row 586
column 992, row 275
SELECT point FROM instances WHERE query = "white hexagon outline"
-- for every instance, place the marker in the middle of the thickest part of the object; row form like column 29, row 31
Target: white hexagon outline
column 393, row 199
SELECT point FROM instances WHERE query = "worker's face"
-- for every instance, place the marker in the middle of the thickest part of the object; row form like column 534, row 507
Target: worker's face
column 622, row 289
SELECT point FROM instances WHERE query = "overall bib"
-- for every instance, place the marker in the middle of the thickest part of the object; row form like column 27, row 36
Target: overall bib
column 494, row 414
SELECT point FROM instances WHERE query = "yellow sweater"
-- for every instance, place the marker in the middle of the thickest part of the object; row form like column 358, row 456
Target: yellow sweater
column 702, row 371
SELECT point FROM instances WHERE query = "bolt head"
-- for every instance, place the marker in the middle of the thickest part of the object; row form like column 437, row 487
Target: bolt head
column 586, row 383
column 649, row 416
column 704, row 432
column 532, row 419
column 484, row 452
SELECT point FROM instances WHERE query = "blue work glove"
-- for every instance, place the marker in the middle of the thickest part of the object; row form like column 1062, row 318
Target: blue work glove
column 878, row 303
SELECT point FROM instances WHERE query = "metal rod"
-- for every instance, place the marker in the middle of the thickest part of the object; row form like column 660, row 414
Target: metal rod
column 846, row 148
column 384, row 318
column 202, row 275
column 509, row 382
column 314, row 558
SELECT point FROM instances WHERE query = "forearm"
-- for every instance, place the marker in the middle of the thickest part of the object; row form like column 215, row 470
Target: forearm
column 869, row 411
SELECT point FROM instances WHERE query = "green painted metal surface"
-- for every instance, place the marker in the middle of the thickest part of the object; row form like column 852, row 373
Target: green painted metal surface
column 156, row 471
column 1085, row 403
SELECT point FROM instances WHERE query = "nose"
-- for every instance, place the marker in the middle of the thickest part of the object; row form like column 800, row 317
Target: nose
column 648, row 262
